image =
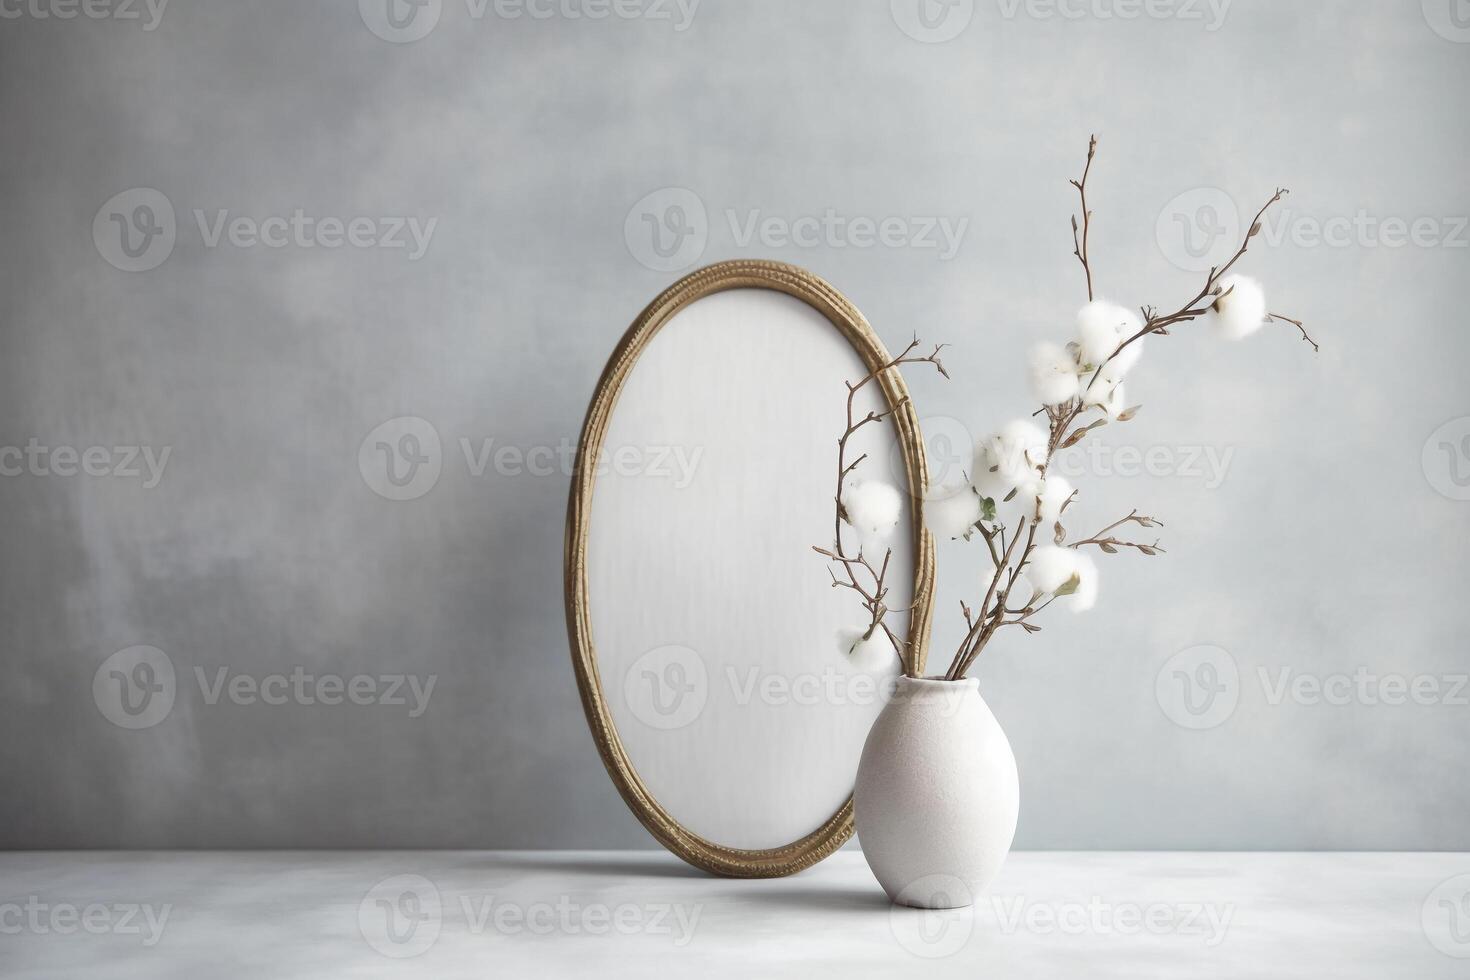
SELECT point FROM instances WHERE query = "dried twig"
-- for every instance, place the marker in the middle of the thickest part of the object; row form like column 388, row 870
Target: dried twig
column 861, row 575
column 994, row 610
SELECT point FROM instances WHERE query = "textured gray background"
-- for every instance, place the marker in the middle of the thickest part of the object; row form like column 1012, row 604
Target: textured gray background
column 1326, row 548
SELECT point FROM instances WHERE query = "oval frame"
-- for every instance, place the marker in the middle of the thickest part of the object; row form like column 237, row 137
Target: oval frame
column 820, row 295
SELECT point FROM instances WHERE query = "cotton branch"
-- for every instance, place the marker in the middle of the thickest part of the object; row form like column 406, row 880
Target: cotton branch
column 858, row 572
column 994, row 610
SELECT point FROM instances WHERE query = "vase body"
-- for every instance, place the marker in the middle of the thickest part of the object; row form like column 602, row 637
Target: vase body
column 937, row 794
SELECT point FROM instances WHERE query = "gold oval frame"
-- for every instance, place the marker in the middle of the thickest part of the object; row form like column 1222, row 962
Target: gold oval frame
column 817, row 293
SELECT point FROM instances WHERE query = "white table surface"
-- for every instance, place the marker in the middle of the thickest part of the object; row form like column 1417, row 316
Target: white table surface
column 640, row 914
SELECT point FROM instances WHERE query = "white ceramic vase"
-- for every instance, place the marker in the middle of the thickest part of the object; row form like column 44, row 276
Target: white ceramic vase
column 937, row 795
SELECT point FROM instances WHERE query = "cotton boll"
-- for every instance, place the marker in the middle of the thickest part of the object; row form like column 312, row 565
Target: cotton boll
column 872, row 508
column 1027, row 440
column 1106, row 393
column 1126, row 357
column 1116, row 402
column 1241, row 311
column 1009, row 458
column 1050, row 567
column 1050, row 496
column 1086, row 595
column 1053, row 374
column 870, row 655
column 953, row 516
column 1102, row 327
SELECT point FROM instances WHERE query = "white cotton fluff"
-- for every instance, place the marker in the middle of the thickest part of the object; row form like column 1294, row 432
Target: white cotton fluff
column 952, row 515
column 1009, row 458
column 1107, row 393
column 1052, row 567
column 1053, row 374
column 869, row 656
column 1101, row 329
column 1242, row 309
column 872, row 508
column 1053, row 492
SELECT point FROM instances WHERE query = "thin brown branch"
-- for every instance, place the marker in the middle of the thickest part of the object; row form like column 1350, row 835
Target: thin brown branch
column 1079, row 248
column 1298, row 325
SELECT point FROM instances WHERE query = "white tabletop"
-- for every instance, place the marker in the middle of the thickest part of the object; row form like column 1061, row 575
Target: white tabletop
column 446, row 914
